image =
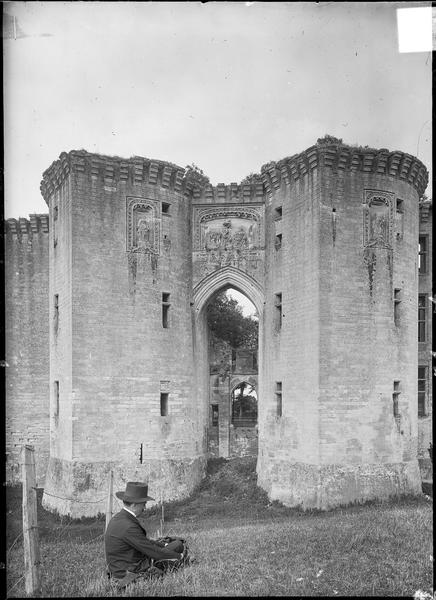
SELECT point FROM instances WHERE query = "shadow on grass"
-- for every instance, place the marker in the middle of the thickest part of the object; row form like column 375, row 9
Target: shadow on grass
column 50, row 525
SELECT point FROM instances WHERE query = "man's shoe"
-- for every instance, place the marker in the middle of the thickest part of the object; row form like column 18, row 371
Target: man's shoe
column 128, row 578
column 153, row 572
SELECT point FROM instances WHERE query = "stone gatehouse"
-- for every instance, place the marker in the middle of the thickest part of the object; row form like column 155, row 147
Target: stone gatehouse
column 107, row 341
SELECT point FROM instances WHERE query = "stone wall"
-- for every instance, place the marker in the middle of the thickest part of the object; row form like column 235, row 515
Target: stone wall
column 61, row 325
column 27, row 348
column 129, row 257
column 289, row 372
column 364, row 351
column 338, row 351
column 225, row 439
column 425, row 432
column 229, row 368
column 218, row 435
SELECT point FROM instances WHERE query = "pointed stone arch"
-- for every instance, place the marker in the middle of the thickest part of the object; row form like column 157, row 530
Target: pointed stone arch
column 241, row 383
column 231, row 277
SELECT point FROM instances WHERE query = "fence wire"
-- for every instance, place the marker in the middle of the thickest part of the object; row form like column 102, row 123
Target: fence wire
column 74, row 500
column 57, row 534
column 15, row 585
column 15, row 540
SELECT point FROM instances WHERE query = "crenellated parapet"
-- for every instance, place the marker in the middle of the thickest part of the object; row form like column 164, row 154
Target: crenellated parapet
column 328, row 152
column 112, row 171
column 424, row 209
column 340, row 157
column 232, row 193
column 36, row 223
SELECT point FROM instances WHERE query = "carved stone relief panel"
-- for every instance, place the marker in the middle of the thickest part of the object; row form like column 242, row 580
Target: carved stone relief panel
column 228, row 236
column 378, row 219
column 143, row 225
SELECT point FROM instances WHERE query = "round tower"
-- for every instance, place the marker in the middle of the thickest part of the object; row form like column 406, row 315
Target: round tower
column 339, row 420
column 121, row 351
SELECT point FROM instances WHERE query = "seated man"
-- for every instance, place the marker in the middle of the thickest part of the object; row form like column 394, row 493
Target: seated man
column 129, row 552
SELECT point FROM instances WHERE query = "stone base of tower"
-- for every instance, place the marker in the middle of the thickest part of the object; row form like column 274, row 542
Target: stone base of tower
column 328, row 486
column 80, row 489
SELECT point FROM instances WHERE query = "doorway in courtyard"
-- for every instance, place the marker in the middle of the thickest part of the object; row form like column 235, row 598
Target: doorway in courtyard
column 233, row 375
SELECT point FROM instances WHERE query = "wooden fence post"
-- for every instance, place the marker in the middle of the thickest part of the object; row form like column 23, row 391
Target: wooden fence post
column 109, row 507
column 30, row 523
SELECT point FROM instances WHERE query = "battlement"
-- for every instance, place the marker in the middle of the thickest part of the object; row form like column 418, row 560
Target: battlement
column 341, row 157
column 425, row 206
column 36, row 223
column 112, row 170
column 328, row 152
column 231, row 193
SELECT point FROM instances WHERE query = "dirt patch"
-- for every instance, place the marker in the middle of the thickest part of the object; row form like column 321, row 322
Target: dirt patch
column 229, row 490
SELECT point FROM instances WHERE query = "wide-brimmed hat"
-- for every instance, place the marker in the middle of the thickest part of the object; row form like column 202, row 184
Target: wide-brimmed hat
column 135, row 492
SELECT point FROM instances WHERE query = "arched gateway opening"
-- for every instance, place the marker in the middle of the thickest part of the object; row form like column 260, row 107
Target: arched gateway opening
column 232, row 362
column 228, row 370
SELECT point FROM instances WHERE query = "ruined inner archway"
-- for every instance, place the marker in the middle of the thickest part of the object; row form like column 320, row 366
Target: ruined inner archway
column 244, row 405
column 232, row 366
column 215, row 384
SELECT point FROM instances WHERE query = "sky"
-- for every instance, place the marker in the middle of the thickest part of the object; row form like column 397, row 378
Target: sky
column 247, row 307
column 228, row 86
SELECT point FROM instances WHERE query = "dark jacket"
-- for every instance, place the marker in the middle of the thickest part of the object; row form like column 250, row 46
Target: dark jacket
column 126, row 545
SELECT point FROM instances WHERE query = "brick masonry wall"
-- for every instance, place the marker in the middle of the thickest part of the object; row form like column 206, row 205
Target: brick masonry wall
column 27, row 348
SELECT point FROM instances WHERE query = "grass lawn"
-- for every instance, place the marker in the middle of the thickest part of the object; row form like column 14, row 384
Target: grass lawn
column 245, row 546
